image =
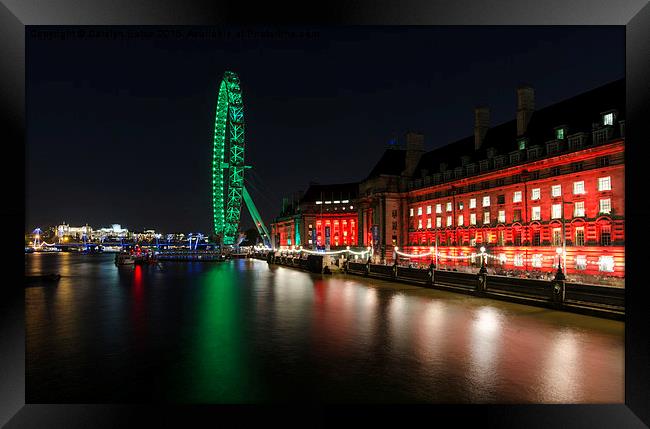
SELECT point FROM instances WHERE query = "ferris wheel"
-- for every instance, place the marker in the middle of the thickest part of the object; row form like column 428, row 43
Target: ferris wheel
column 228, row 188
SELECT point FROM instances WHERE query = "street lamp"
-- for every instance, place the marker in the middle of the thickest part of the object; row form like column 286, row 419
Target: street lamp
column 563, row 241
column 559, row 275
column 483, row 269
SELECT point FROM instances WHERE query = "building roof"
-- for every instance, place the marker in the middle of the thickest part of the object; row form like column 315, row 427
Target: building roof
column 392, row 162
column 577, row 113
column 339, row 191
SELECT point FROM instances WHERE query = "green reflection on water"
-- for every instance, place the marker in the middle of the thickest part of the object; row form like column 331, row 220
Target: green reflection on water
column 218, row 361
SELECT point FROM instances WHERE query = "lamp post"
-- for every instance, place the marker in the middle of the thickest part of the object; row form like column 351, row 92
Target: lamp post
column 559, row 275
column 436, row 244
column 563, row 250
column 483, row 269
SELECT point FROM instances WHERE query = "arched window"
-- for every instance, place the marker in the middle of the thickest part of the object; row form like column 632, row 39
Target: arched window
column 516, row 236
column 604, row 228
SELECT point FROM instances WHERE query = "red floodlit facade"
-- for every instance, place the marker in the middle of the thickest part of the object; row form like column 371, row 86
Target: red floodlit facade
column 320, row 211
column 544, row 189
column 520, row 223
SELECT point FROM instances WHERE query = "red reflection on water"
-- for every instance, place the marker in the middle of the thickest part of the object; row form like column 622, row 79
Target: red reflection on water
column 332, row 317
column 138, row 305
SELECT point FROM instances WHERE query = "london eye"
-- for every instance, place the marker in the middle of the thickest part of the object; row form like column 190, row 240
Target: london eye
column 228, row 166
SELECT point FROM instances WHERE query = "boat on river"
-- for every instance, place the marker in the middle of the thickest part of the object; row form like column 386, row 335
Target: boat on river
column 124, row 259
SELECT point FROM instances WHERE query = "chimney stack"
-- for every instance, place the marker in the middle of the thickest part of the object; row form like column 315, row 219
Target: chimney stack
column 481, row 125
column 414, row 150
column 525, row 107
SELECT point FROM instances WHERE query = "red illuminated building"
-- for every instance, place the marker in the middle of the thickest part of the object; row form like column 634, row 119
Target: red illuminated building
column 544, row 188
column 323, row 217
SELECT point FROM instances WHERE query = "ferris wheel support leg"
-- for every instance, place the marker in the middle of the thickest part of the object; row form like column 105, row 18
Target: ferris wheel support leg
column 255, row 215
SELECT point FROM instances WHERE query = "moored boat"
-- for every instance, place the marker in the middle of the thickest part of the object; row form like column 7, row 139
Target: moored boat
column 124, row 259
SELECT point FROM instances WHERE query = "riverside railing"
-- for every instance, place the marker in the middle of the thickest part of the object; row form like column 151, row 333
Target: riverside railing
column 603, row 301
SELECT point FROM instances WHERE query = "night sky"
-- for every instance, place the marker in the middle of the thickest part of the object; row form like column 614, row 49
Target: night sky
column 120, row 129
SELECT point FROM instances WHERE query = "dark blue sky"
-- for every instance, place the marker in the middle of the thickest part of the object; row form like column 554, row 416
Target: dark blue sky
column 119, row 130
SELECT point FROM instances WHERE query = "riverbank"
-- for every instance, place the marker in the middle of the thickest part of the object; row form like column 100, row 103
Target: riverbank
column 599, row 301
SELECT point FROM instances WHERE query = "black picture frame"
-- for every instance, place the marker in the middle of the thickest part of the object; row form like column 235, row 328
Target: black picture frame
column 633, row 14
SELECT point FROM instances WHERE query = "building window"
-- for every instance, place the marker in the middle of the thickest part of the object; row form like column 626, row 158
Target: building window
column 460, row 220
column 428, row 209
column 604, row 184
column 472, row 203
column 536, row 238
column 516, row 215
column 581, row 262
column 461, row 205
column 411, row 212
column 535, row 194
column 500, row 181
column 605, row 235
column 428, row 223
column 577, row 166
column 522, row 144
column 472, row 218
column 556, row 211
column 419, row 223
column 536, row 261
column 486, row 217
column 536, row 213
column 486, row 201
column 555, row 171
column 516, row 197
column 556, row 191
column 438, row 222
column 500, row 240
column 580, row 236
column 606, row 263
column 552, row 147
column 579, row 209
column 419, row 211
column 559, row 134
column 438, row 208
column 603, row 161
column 501, row 199
column 606, row 206
column 394, row 226
column 608, row 119
column 449, row 207
column 517, row 237
column 519, row 260
column 514, row 158
column 557, row 237
column 502, row 216
column 449, row 220
column 578, row 187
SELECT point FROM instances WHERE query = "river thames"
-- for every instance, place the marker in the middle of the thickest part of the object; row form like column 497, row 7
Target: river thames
column 242, row 331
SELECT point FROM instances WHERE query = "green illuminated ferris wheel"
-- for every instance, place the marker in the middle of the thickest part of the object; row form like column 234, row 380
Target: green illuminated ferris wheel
column 228, row 173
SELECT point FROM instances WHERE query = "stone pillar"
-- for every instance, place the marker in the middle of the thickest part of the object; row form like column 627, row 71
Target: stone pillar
column 558, row 288
column 481, row 283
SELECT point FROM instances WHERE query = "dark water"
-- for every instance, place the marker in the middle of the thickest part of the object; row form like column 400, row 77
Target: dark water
column 241, row 331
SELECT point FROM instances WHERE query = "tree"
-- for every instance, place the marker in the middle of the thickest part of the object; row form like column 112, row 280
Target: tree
column 252, row 237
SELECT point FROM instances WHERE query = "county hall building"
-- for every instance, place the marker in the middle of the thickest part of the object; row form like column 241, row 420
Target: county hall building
column 547, row 185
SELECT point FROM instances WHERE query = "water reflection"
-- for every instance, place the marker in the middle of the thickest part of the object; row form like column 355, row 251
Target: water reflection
column 242, row 331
